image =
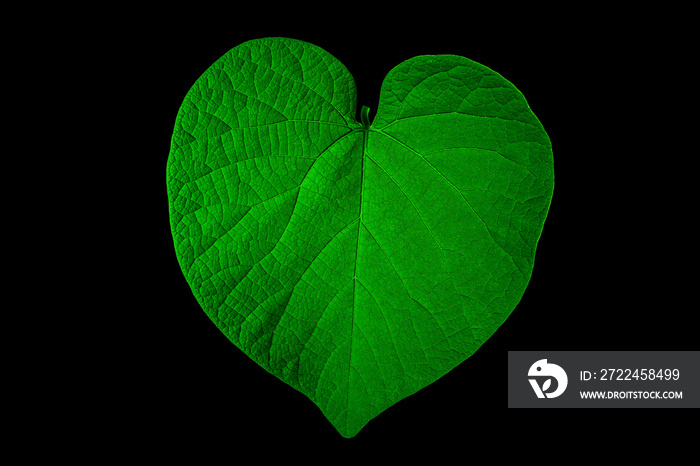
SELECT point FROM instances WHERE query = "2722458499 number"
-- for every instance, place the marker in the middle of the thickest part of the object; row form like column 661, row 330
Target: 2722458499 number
column 629, row 374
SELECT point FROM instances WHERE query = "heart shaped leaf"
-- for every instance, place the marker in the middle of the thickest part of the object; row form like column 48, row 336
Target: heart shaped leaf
column 358, row 263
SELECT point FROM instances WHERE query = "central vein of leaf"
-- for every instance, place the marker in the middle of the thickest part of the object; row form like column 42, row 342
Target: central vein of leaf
column 364, row 116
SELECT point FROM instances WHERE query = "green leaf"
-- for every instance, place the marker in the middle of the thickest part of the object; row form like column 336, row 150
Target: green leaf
column 358, row 263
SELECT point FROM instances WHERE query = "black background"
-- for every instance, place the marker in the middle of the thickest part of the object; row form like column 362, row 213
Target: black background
column 605, row 275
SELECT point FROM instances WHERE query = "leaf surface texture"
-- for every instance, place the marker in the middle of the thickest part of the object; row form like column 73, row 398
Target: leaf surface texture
column 357, row 263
